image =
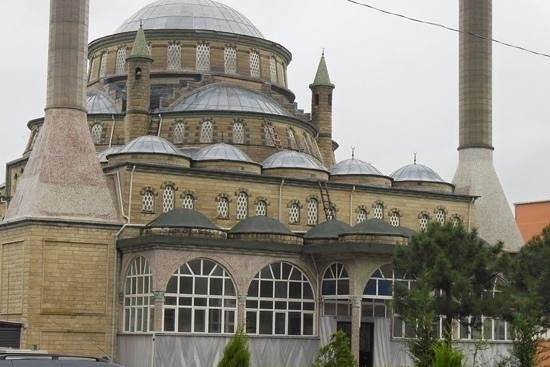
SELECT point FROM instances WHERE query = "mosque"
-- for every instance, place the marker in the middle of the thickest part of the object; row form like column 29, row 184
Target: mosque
column 177, row 193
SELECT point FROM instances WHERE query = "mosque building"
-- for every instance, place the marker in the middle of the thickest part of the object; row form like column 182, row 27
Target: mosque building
column 178, row 193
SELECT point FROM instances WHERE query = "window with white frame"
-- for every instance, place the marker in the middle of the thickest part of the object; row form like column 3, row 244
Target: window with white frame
column 269, row 141
column 173, row 57
column 440, row 216
column 378, row 211
column 203, row 57
column 188, row 202
column 238, row 133
column 168, row 199
column 280, row 302
column 138, row 297
column 273, row 69
column 254, row 64
column 335, row 291
column 178, row 134
column 294, row 213
column 395, row 219
column 120, row 64
column 230, row 60
column 242, row 205
column 207, row 132
column 312, row 212
column 97, row 133
column 424, row 220
column 361, row 215
column 291, row 139
column 261, row 208
column 103, row 65
column 223, row 208
column 456, row 220
column 306, row 144
column 200, row 298
column 148, row 202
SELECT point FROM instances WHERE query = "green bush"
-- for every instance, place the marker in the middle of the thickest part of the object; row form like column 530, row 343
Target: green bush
column 446, row 356
column 236, row 353
column 337, row 353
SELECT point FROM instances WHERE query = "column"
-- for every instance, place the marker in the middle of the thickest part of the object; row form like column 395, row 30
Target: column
column 241, row 312
column 355, row 325
column 159, row 306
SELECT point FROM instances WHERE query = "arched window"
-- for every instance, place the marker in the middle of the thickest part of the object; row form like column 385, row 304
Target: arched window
column 168, row 198
column 254, row 64
column 223, row 208
column 230, row 60
column 306, row 144
column 378, row 210
column 238, row 133
column 456, row 220
column 138, row 297
column 273, row 69
column 294, row 213
column 361, row 215
column 312, row 212
column 242, row 205
column 424, row 220
column 207, row 132
column 440, row 216
column 200, row 298
column 178, row 134
column 148, row 202
column 269, row 132
column 261, row 208
column 335, row 290
column 291, row 139
column 203, row 58
column 97, row 133
column 188, row 202
column 173, row 57
column 103, row 65
column 120, row 64
column 395, row 218
column 280, row 302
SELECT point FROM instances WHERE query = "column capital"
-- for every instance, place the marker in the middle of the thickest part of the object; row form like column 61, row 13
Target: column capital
column 158, row 295
column 356, row 301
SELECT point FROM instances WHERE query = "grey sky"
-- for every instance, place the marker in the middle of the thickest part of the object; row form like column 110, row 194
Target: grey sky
column 396, row 82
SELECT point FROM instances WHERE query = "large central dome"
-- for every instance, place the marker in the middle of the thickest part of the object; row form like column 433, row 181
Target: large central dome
column 193, row 15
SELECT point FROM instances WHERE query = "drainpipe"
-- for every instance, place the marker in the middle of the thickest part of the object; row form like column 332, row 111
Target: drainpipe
column 130, row 194
column 281, row 198
column 112, row 130
column 351, row 206
column 160, row 124
column 318, row 292
column 119, row 193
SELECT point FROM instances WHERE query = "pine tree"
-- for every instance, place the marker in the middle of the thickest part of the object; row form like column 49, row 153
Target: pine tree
column 337, row 353
column 236, row 353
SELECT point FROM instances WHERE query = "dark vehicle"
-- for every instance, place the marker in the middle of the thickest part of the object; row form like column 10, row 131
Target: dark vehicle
column 15, row 359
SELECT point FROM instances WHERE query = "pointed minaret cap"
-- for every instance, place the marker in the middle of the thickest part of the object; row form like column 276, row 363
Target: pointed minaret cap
column 140, row 49
column 322, row 78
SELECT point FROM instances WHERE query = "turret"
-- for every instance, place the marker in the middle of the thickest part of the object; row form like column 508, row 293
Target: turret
column 138, row 89
column 321, row 111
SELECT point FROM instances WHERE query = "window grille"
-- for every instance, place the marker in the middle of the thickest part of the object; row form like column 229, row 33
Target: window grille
column 238, row 133
column 294, row 213
column 291, row 139
column 168, row 198
column 273, row 69
column 200, row 298
column 103, row 65
column 312, row 212
column 188, row 202
column 120, row 65
column 148, row 202
column 203, row 58
column 395, row 219
column 424, row 220
column 335, row 291
column 361, row 216
column 207, row 132
column 223, row 208
column 254, row 64
column 306, row 144
column 440, row 216
column 138, row 297
column 456, row 221
column 268, row 138
column 242, row 205
column 173, row 57
column 178, row 134
column 150, row 49
column 97, row 133
column 261, row 208
column 280, row 302
column 378, row 211
column 230, row 60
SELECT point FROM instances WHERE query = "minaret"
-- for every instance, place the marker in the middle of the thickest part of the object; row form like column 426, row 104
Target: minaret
column 321, row 111
column 476, row 173
column 138, row 89
column 63, row 178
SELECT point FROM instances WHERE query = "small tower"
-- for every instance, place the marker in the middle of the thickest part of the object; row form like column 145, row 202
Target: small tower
column 321, row 111
column 138, row 89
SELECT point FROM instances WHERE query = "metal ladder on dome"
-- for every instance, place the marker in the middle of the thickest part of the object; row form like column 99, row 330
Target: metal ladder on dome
column 273, row 135
column 328, row 207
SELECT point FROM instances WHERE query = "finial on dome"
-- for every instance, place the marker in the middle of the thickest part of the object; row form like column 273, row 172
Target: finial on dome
column 352, row 152
column 141, row 23
column 415, row 158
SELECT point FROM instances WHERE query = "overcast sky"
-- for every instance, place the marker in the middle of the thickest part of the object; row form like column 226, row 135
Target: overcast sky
column 396, row 82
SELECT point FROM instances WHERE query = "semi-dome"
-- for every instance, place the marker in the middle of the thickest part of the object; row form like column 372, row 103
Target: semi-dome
column 103, row 155
column 328, row 230
column 376, row 227
column 97, row 103
column 221, row 152
column 225, row 97
column 416, row 172
column 183, row 218
column 292, row 159
column 191, row 15
column 260, row 224
column 149, row 144
column 355, row 167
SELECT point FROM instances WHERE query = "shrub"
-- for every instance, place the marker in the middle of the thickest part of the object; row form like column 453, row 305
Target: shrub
column 446, row 356
column 337, row 353
column 236, row 352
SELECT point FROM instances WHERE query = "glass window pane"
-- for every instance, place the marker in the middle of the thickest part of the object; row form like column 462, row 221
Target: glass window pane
column 266, row 289
column 294, row 323
column 169, row 319
column 184, row 320
column 200, row 320
column 280, row 323
column 281, row 289
column 308, row 324
column 295, row 290
column 186, row 285
column 216, row 286
column 229, row 322
column 214, row 321
column 251, row 322
column 384, row 288
column 370, row 289
column 266, row 322
column 201, row 285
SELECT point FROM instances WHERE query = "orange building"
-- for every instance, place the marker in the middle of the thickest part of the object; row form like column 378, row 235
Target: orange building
column 532, row 217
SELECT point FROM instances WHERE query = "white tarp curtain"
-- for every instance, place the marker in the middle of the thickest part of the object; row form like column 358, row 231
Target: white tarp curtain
column 135, row 350
column 327, row 327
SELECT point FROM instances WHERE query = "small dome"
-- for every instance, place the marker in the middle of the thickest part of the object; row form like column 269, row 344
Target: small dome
column 97, row 103
column 103, row 155
column 192, row 15
column 149, row 144
column 354, row 167
column 376, row 227
column 292, row 159
column 416, row 172
column 224, row 97
column 221, row 152
column 260, row 225
column 330, row 229
column 183, row 218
